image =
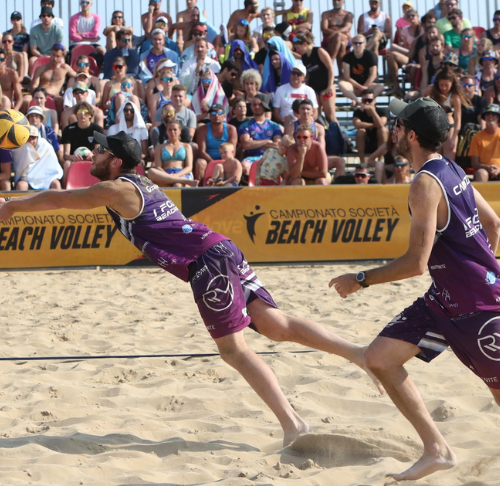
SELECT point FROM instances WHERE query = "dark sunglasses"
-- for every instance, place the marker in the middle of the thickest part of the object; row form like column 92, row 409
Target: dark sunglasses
column 466, row 37
column 296, row 73
column 126, row 39
column 198, row 34
column 233, row 74
column 400, row 164
column 84, row 3
column 16, row 18
column 220, row 112
column 366, row 100
column 468, row 85
column 117, row 17
column 398, row 124
column 83, row 64
column 118, row 66
column 128, row 110
column 489, row 59
column 360, row 174
column 496, row 19
column 44, row 16
column 169, row 80
column 78, row 92
column 412, row 16
column 101, row 149
column 453, row 17
column 2, row 59
column 357, row 43
column 5, row 41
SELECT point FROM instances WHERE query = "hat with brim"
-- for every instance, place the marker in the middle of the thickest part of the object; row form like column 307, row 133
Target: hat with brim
column 491, row 109
column 264, row 100
column 82, row 73
column 217, row 107
column 34, row 131
column 488, row 54
column 165, row 64
column 424, row 116
column 80, row 87
column 122, row 146
column 47, row 10
column 162, row 19
column 36, row 110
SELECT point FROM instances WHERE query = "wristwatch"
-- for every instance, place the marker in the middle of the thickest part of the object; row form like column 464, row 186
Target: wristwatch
column 360, row 278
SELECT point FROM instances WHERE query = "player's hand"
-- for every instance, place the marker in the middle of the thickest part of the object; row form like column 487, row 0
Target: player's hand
column 345, row 284
column 6, row 211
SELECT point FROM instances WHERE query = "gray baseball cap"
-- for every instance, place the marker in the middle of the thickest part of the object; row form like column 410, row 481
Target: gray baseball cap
column 426, row 117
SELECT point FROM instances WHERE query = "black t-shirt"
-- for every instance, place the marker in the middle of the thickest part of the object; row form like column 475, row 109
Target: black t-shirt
column 260, row 57
column 470, row 115
column 364, row 117
column 80, row 137
column 236, row 123
column 360, row 68
column 228, row 88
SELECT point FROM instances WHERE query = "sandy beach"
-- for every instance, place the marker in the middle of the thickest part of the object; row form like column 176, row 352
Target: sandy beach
column 193, row 420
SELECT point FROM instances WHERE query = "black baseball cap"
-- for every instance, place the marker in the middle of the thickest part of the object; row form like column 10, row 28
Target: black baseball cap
column 122, row 146
column 47, row 10
column 426, row 117
column 16, row 15
column 217, row 107
column 264, row 99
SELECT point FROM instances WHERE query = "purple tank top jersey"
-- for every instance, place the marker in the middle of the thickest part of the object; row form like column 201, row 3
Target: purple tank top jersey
column 462, row 265
column 162, row 233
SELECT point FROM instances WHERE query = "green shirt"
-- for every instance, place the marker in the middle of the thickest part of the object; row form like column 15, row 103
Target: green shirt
column 44, row 40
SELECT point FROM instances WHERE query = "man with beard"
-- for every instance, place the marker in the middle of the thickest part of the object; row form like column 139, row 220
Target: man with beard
column 250, row 12
column 336, row 27
column 455, row 233
column 228, row 293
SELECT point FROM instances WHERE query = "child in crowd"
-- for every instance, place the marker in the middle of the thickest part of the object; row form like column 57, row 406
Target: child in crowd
column 274, row 165
column 229, row 172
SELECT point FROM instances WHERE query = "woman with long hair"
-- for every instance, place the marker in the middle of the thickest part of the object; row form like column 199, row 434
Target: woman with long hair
column 482, row 46
column 13, row 59
column 448, row 92
column 242, row 32
column 383, row 158
column 21, row 38
column 117, row 23
column 113, row 86
column 173, row 158
column 320, row 75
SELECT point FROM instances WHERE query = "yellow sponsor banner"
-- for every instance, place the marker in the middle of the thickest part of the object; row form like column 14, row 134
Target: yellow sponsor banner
column 282, row 224
column 314, row 223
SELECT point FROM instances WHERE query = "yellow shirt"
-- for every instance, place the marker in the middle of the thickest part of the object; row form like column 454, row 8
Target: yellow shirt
column 486, row 147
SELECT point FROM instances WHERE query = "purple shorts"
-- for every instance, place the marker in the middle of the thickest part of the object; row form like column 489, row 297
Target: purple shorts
column 474, row 338
column 223, row 285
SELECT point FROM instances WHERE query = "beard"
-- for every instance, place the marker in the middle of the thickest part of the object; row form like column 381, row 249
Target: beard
column 102, row 172
column 403, row 148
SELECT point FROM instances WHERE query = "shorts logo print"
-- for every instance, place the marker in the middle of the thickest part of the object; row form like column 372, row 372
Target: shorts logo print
column 491, row 278
column 489, row 343
column 220, row 293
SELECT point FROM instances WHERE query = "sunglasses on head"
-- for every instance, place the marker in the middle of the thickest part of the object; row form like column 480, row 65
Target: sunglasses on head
column 127, row 85
column 167, row 79
column 82, row 112
column 220, row 112
column 101, row 149
column 302, row 137
column 243, row 22
column 118, row 66
column 6, row 41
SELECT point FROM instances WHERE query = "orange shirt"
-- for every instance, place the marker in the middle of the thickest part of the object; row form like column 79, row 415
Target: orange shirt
column 486, row 147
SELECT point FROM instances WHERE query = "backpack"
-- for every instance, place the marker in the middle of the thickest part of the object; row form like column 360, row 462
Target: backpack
column 336, row 144
column 464, row 141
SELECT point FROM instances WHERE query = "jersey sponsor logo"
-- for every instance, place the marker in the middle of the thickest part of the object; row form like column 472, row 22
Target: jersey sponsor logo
column 187, row 228
column 244, row 267
column 165, row 210
column 472, row 225
column 90, row 139
column 220, row 293
column 438, row 267
column 206, row 234
column 489, row 339
column 199, row 273
column 491, row 278
column 458, row 189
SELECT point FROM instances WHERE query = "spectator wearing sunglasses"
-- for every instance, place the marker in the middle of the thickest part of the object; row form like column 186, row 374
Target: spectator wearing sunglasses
column 492, row 94
column 485, row 147
column 439, row 11
column 149, row 19
column 117, row 23
column 44, row 35
column 74, row 95
column 84, row 28
column 123, row 49
column 486, row 76
column 20, row 35
column 78, row 134
column 453, row 36
column 164, row 83
column 445, row 22
column 162, row 24
column 467, row 48
column 57, row 20
column 9, row 84
column 360, row 176
column 158, row 53
column 248, row 13
column 14, row 60
column 493, row 34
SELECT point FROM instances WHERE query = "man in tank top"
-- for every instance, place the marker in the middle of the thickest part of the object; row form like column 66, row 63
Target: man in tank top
column 455, row 233
column 226, row 290
column 376, row 26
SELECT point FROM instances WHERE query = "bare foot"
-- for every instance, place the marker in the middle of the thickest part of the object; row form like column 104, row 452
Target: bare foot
column 289, row 437
column 193, row 183
column 428, row 464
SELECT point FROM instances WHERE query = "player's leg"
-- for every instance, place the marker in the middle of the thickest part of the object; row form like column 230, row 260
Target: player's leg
column 496, row 395
column 385, row 357
column 234, row 351
column 278, row 326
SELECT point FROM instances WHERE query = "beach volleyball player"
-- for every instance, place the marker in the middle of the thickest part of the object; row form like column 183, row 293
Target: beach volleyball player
column 229, row 295
column 455, row 233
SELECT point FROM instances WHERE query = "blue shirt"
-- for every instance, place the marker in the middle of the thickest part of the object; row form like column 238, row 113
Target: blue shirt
column 259, row 131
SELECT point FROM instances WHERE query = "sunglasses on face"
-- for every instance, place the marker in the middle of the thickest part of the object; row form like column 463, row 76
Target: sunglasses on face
column 206, row 80
column 453, row 17
column 83, row 64
column 117, row 17
column 467, row 85
column 357, row 43
column 128, row 110
column 126, row 39
column 82, row 112
column 101, row 149
column 169, row 79
column 400, row 165
column 2, row 59
column 488, row 59
column 117, row 66
column 411, row 16
column 268, row 35
column 84, row 3
column 466, row 37
column 220, row 112
column 44, row 16
column 296, row 73
column 198, row 34
column 366, row 100
column 302, row 137
column 496, row 19
column 233, row 74
column 361, row 174
column 78, row 92
column 451, row 4
column 5, row 41
column 127, row 85
column 168, row 113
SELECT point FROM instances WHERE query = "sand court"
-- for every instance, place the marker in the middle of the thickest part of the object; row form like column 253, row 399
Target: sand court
column 186, row 421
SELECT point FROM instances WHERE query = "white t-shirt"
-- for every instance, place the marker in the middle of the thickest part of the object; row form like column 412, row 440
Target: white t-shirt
column 69, row 99
column 285, row 96
column 139, row 133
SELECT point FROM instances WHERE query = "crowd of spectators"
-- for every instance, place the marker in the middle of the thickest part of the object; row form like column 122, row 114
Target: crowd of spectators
column 253, row 103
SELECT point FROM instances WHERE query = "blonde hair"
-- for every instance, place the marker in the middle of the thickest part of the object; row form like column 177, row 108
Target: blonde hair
column 226, row 145
column 287, row 140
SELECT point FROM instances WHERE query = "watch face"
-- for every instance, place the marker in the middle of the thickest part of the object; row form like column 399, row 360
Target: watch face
column 360, row 276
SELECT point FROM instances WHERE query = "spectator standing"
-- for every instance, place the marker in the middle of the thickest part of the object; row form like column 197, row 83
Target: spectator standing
column 336, row 27
column 286, row 94
column 376, row 26
column 320, row 76
column 110, row 32
column 360, row 71
column 485, row 147
column 44, row 36
column 84, row 28
column 248, row 13
column 370, row 122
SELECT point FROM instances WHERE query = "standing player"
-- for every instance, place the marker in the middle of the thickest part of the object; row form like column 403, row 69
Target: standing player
column 229, row 295
column 455, row 233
